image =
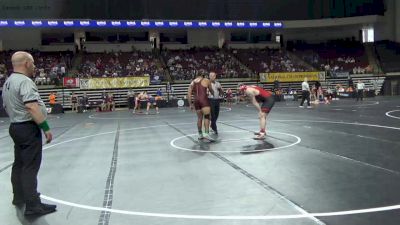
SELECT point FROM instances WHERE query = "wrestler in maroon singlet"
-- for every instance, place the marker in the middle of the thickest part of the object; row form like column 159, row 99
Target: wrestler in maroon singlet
column 201, row 98
column 198, row 88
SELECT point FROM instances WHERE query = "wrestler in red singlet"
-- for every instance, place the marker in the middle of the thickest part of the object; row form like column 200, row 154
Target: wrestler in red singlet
column 259, row 95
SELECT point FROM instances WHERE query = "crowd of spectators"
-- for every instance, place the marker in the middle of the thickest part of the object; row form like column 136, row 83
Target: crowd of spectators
column 3, row 69
column 50, row 66
column 268, row 60
column 187, row 64
column 119, row 64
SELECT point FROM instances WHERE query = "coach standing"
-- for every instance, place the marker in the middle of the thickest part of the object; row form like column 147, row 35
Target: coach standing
column 215, row 100
column 27, row 114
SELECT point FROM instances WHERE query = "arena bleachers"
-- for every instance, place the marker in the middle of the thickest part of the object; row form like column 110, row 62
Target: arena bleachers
column 389, row 55
column 267, row 60
column 335, row 56
column 235, row 64
column 120, row 95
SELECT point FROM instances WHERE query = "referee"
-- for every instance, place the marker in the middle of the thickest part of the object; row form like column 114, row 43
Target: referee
column 305, row 93
column 27, row 114
column 215, row 100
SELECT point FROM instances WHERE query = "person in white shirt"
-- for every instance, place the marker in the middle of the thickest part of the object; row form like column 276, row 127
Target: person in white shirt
column 305, row 88
column 360, row 90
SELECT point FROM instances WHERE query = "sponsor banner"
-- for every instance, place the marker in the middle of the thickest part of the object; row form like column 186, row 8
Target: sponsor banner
column 120, row 82
column 291, row 76
column 71, row 82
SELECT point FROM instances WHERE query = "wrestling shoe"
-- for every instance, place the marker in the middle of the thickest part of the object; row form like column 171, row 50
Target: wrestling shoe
column 208, row 137
column 260, row 136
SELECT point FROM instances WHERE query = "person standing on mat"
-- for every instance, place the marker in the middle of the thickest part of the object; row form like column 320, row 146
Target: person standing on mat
column 258, row 95
column 198, row 88
column 360, row 90
column 229, row 97
column 74, row 102
column 152, row 103
column 130, row 99
column 305, row 93
column 215, row 100
column 142, row 97
column 27, row 114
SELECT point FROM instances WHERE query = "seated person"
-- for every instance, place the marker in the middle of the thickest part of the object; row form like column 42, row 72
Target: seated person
column 158, row 97
column 52, row 99
column 159, row 92
column 110, row 103
column 103, row 105
column 349, row 89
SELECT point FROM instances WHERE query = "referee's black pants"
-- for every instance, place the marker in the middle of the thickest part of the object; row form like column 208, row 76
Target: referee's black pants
column 360, row 94
column 131, row 102
column 214, row 112
column 27, row 138
column 305, row 95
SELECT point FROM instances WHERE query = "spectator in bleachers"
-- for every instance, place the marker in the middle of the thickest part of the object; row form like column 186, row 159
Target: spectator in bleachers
column 266, row 60
column 3, row 73
column 187, row 64
column 62, row 69
column 47, row 64
column 121, row 64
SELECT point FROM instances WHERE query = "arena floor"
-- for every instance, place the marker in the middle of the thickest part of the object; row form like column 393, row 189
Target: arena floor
column 334, row 164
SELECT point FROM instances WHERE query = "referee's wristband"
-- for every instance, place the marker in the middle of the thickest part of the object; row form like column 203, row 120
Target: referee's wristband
column 44, row 126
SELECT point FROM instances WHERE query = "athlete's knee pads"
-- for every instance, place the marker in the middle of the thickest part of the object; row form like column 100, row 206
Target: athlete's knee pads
column 207, row 116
